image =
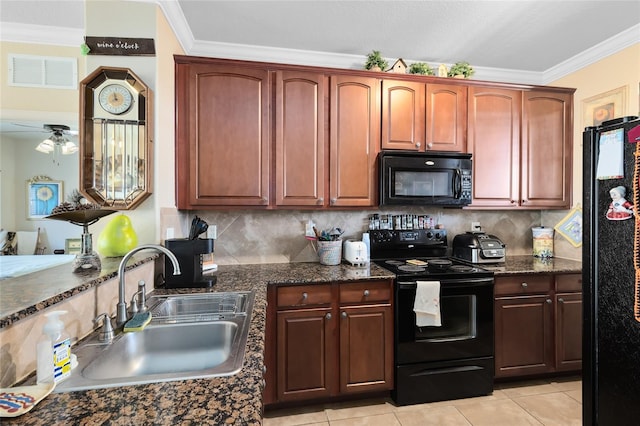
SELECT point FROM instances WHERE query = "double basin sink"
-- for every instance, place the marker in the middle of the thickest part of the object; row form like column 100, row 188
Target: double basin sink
column 190, row 336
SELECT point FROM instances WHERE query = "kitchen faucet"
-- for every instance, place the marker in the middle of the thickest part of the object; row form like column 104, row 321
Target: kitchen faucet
column 121, row 308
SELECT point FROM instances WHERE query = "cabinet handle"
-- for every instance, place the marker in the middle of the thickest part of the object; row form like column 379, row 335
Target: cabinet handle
column 513, row 201
column 366, row 293
column 548, row 301
column 561, row 300
column 344, row 314
column 430, row 145
column 333, row 200
column 320, row 200
column 304, row 296
column 328, row 316
column 523, row 201
column 418, row 144
column 264, row 200
column 524, row 285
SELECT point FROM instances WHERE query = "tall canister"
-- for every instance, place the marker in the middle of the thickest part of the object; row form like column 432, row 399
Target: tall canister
column 542, row 241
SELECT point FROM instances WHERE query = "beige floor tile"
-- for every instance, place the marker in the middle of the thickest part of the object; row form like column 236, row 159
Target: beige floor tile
column 529, row 388
column 496, row 395
column 575, row 394
column 388, row 419
column 497, row 413
column 567, row 385
column 296, row 416
column 553, row 409
column 432, row 416
column 345, row 410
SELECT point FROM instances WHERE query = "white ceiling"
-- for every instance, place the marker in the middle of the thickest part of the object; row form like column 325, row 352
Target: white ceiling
column 529, row 41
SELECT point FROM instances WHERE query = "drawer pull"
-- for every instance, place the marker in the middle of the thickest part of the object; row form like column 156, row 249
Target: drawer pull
column 328, row 316
column 525, row 285
column 366, row 293
column 344, row 314
column 305, row 296
column 561, row 300
column 548, row 301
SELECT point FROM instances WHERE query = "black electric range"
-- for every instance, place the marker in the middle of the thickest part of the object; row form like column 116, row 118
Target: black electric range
column 437, row 362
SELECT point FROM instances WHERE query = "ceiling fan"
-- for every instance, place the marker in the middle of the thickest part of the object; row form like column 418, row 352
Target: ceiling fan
column 57, row 140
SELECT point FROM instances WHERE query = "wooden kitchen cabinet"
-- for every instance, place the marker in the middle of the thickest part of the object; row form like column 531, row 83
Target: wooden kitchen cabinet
column 568, row 322
column 521, row 142
column 420, row 117
column 300, row 143
column 222, row 135
column 547, row 149
column 537, row 325
column 328, row 340
column 494, row 142
column 354, row 141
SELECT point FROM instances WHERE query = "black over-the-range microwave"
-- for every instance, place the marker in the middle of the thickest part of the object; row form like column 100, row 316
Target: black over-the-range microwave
column 431, row 178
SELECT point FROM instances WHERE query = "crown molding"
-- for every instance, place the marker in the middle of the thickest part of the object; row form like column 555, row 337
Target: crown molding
column 41, row 34
column 178, row 23
column 594, row 54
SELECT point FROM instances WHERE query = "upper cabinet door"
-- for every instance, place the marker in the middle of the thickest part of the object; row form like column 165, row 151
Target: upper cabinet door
column 547, row 149
column 354, row 140
column 494, row 142
column 403, row 115
column 300, row 138
column 222, row 143
column 446, row 118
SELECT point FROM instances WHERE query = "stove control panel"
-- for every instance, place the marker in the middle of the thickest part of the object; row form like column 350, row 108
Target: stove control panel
column 420, row 236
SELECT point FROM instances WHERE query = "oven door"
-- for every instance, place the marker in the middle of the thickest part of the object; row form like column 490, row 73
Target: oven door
column 466, row 309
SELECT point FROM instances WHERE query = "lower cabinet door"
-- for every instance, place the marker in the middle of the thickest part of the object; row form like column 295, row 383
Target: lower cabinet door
column 569, row 331
column 366, row 349
column 306, row 357
column 524, row 335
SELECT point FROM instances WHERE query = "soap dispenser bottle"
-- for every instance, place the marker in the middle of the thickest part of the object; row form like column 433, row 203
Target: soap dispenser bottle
column 53, row 352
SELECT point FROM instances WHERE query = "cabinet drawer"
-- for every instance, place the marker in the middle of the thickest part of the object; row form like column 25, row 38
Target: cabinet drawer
column 569, row 282
column 365, row 292
column 523, row 284
column 303, row 295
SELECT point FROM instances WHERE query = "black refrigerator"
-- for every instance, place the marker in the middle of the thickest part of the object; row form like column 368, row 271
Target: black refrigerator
column 611, row 271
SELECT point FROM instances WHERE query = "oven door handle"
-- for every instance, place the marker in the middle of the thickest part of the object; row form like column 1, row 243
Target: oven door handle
column 411, row 285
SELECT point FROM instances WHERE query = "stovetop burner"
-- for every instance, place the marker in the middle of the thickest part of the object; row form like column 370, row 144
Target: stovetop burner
column 411, row 268
column 394, row 262
column 462, row 268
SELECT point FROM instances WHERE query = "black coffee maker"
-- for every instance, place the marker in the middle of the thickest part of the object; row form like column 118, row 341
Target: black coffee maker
column 189, row 254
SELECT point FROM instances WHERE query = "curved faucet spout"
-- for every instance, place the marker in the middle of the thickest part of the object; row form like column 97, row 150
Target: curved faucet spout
column 121, row 309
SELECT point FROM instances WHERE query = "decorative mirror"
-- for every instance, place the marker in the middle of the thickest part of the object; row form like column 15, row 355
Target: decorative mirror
column 116, row 145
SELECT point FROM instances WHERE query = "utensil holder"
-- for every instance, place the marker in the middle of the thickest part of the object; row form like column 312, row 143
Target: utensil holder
column 330, row 252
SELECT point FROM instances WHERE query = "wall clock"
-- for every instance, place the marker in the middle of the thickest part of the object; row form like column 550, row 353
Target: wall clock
column 116, row 144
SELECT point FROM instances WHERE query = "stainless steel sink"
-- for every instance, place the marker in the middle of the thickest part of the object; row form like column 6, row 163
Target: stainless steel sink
column 190, row 336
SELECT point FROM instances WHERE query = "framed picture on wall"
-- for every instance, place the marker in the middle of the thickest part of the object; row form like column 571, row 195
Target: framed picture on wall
column 43, row 194
column 605, row 106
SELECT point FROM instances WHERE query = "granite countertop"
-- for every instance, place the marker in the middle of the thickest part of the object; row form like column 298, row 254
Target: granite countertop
column 517, row 265
column 233, row 400
column 25, row 295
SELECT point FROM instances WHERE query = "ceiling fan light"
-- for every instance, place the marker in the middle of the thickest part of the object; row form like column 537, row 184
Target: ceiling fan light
column 47, row 146
column 69, row 148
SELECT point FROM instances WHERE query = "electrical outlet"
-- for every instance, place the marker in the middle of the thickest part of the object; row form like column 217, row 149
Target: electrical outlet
column 212, row 232
column 475, row 227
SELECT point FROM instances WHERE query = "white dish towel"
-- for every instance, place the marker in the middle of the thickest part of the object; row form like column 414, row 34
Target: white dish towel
column 427, row 304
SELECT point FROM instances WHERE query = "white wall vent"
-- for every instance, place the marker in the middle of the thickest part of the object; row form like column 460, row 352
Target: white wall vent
column 50, row 72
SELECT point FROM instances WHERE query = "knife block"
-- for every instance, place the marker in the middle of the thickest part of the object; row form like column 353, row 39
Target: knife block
column 189, row 254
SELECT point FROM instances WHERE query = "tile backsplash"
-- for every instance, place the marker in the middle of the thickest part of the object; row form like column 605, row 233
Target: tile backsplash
column 267, row 236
